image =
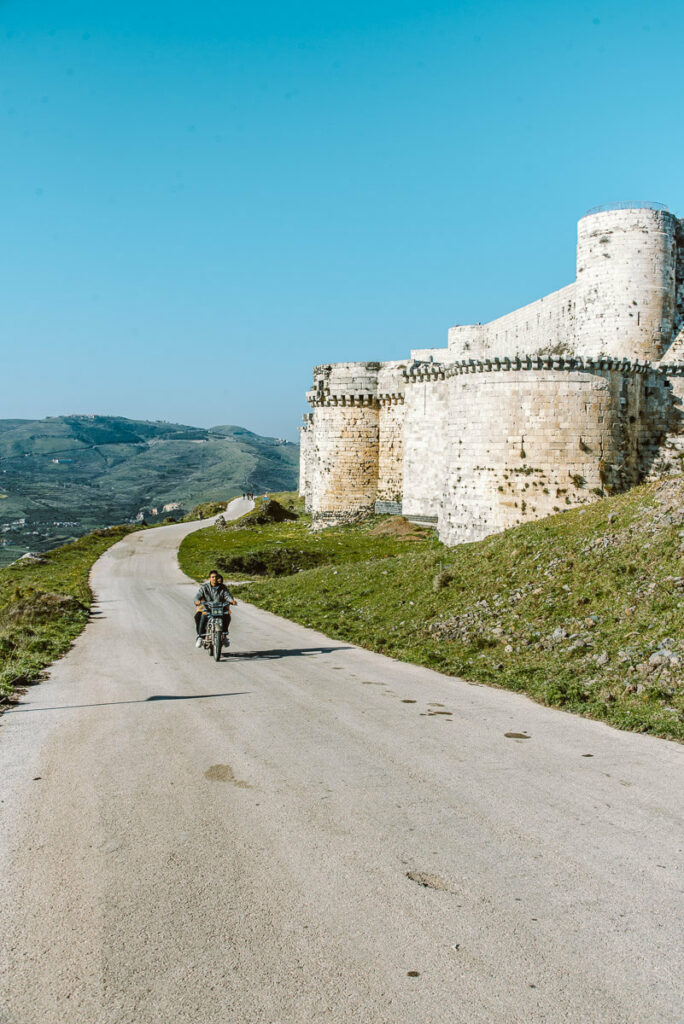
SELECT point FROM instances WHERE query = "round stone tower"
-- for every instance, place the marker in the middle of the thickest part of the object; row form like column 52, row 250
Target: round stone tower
column 344, row 463
column 625, row 290
column 526, row 442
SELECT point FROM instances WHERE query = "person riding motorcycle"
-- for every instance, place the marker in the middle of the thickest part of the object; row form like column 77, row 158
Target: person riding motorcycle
column 213, row 590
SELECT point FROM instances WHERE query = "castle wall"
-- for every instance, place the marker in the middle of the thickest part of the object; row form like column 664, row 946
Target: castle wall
column 660, row 435
column 391, row 449
column 542, row 409
column 675, row 352
column 306, row 458
column 524, row 443
column 390, row 391
column 673, row 445
column 544, row 327
column 437, row 355
column 425, row 443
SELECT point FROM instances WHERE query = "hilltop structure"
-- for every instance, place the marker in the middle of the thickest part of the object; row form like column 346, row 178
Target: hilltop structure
column 573, row 396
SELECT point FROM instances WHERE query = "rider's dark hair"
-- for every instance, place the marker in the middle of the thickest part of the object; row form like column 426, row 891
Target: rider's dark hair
column 214, row 572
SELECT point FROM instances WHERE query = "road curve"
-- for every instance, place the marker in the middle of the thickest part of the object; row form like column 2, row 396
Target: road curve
column 307, row 832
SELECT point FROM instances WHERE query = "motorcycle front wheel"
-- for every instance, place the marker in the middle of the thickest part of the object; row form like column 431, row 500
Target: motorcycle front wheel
column 218, row 642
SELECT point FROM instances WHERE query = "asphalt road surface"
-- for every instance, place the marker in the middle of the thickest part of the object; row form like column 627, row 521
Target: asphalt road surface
column 308, row 832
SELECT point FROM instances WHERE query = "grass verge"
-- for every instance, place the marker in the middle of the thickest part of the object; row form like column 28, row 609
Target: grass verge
column 44, row 605
column 582, row 611
column 255, row 545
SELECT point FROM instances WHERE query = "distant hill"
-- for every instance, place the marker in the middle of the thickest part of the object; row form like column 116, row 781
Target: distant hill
column 65, row 475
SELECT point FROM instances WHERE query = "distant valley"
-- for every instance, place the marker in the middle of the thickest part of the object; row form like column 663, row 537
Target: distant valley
column 63, row 476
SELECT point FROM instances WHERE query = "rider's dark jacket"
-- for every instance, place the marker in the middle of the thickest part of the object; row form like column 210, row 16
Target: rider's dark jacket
column 218, row 593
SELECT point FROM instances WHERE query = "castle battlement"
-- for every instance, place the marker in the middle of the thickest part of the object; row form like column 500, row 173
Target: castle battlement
column 567, row 398
column 589, row 364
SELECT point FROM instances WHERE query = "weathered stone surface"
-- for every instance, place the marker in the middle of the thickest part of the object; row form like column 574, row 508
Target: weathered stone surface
column 425, row 447
column 391, row 448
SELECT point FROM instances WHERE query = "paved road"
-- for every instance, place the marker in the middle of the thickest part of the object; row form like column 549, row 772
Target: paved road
column 307, row 832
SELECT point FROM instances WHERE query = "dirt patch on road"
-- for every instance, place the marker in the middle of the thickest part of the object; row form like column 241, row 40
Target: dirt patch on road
column 224, row 773
column 429, row 881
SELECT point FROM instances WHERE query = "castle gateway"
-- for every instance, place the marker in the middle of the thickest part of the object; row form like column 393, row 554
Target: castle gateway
column 571, row 397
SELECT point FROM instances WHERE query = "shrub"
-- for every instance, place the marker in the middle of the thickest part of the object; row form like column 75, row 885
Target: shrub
column 443, row 579
column 280, row 561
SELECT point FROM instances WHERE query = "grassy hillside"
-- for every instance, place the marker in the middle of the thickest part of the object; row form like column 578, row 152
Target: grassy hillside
column 44, row 606
column 583, row 611
column 63, row 476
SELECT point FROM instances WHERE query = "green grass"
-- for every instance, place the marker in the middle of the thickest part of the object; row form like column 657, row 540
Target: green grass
column 43, row 608
column 568, row 610
column 248, row 547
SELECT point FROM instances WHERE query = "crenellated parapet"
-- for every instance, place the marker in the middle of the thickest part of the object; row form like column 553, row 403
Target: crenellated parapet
column 590, row 364
column 419, row 372
column 332, row 401
column 671, row 369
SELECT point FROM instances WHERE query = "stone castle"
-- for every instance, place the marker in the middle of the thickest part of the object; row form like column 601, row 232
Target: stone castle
column 571, row 397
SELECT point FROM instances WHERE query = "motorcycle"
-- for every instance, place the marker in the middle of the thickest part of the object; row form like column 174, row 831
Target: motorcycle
column 212, row 639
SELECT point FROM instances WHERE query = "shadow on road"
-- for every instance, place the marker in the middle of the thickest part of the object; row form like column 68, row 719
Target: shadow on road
column 146, row 700
column 283, row 652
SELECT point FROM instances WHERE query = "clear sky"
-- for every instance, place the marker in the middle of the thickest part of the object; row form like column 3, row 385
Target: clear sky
column 202, row 200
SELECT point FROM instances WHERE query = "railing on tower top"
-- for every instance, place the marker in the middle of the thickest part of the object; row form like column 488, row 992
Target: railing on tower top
column 627, row 205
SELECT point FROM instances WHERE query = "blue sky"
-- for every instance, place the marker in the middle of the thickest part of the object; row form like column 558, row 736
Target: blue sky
column 201, row 201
